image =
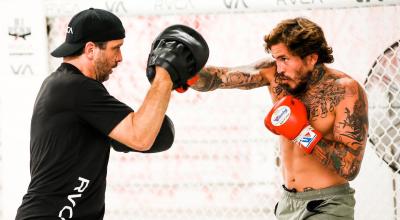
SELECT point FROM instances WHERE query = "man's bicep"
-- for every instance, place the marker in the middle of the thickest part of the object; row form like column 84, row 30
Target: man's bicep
column 242, row 79
column 122, row 132
column 351, row 120
column 98, row 108
column 350, row 133
column 255, row 75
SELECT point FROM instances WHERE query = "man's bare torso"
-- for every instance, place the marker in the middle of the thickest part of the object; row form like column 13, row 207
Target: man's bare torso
column 300, row 170
column 337, row 107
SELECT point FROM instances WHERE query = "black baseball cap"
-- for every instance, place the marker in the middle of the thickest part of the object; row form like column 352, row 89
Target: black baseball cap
column 96, row 25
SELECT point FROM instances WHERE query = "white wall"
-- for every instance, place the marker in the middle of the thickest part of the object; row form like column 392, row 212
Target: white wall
column 24, row 66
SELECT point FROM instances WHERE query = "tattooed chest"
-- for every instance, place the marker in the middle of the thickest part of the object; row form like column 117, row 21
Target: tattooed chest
column 321, row 103
column 320, row 100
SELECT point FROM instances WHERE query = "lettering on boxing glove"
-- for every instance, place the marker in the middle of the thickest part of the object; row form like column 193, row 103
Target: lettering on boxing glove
column 308, row 138
column 288, row 117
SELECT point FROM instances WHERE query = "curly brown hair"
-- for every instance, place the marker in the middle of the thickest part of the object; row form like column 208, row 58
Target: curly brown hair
column 302, row 37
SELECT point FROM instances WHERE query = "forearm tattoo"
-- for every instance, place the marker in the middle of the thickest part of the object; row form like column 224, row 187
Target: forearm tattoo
column 344, row 155
column 339, row 157
column 209, row 79
column 246, row 77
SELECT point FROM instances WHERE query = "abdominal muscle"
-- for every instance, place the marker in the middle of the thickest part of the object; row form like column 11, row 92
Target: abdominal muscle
column 302, row 172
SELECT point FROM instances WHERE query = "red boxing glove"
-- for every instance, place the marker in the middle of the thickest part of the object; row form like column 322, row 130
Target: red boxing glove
column 288, row 117
column 189, row 82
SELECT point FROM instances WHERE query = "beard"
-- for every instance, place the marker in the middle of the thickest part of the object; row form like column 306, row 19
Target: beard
column 301, row 87
column 102, row 70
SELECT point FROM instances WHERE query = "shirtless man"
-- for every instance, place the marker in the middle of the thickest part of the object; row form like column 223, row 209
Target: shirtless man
column 335, row 105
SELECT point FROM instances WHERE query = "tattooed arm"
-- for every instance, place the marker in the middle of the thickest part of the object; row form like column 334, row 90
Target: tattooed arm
column 344, row 154
column 243, row 77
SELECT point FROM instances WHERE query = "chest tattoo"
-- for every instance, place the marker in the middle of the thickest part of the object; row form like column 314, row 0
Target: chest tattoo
column 323, row 99
column 320, row 99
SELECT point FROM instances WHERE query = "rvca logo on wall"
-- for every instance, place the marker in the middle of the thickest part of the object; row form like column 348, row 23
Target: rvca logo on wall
column 173, row 5
column 298, row 2
column 369, row 0
column 19, row 30
column 20, row 48
column 235, row 4
column 117, row 7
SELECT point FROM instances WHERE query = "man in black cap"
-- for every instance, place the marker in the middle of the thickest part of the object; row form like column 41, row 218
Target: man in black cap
column 75, row 120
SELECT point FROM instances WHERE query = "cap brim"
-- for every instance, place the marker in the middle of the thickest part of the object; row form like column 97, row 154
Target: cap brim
column 67, row 49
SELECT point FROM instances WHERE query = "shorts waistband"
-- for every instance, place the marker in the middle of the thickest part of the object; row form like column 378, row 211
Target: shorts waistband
column 334, row 190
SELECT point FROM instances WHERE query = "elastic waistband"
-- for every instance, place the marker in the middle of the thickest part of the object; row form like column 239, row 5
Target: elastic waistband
column 334, row 190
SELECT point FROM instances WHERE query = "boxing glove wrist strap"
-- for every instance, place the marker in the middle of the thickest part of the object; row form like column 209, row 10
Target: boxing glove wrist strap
column 308, row 138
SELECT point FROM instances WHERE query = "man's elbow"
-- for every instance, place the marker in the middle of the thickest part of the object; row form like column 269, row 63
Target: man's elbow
column 143, row 148
column 164, row 139
column 141, row 143
column 350, row 175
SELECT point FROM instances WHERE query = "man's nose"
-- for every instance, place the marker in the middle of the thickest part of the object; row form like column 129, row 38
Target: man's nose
column 280, row 68
column 119, row 57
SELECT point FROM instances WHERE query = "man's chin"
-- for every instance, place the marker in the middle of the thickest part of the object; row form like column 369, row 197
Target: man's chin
column 287, row 88
column 105, row 78
column 299, row 89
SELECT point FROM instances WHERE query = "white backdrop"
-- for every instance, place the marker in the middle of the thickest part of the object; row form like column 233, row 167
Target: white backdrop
column 24, row 65
column 223, row 164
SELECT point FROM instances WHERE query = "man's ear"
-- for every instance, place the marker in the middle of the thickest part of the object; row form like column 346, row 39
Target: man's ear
column 312, row 59
column 89, row 50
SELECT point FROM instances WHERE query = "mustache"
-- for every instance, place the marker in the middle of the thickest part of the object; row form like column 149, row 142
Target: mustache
column 281, row 76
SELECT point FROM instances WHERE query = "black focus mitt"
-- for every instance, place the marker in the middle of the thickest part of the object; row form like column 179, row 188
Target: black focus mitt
column 181, row 50
column 163, row 142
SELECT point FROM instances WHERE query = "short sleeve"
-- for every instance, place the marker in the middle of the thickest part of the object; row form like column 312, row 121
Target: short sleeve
column 98, row 108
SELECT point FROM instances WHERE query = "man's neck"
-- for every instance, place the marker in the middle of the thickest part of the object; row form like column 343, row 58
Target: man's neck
column 317, row 74
column 82, row 65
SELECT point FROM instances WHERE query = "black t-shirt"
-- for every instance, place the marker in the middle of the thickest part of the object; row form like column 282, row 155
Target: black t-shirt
column 70, row 147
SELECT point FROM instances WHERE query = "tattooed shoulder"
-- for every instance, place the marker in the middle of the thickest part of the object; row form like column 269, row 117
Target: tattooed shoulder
column 265, row 63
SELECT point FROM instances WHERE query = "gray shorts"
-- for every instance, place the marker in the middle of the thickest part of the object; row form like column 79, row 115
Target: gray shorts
column 334, row 203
